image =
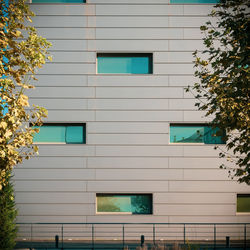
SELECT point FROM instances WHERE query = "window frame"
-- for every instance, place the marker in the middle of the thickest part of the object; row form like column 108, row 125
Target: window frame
column 119, row 54
column 83, row 124
column 242, row 195
column 191, row 143
column 124, row 213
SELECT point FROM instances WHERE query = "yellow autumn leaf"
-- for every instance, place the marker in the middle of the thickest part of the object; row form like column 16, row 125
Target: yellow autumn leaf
column 3, row 125
column 7, row 134
column 23, row 100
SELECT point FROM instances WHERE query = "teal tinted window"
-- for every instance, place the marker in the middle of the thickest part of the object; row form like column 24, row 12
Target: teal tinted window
column 196, row 133
column 194, row 1
column 61, row 133
column 124, row 63
column 74, row 134
column 124, row 203
column 58, row 1
column 243, row 203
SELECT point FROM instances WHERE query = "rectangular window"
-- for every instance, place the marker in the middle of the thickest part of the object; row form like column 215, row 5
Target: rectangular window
column 58, row 1
column 124, row 203
column 61, row 133
column 194, row 1
column 123, row 63
column 195, row 133
column 243, row 203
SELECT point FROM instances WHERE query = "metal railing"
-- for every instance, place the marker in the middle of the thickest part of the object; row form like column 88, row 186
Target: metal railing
column 119, row 235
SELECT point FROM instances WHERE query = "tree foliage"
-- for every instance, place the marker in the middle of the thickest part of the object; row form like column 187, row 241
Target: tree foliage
column 223, row 90
column 22, row 51
column 8, row 214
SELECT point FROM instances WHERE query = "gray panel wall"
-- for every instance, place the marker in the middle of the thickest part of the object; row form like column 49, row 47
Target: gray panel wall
column 127, row 118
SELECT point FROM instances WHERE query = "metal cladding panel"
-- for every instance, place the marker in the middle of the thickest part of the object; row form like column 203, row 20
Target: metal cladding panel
column 139, row 151
column 128, row 219
column 137, row 10
column 194, row 209
column 208, row 186
column 138, row 174
column 70, row 116
column 125, row 104
column 127, row 186
column 63, row 10
column 50, row 185
column 62, row 92
column 54, row 174
column 52, row 219
column 197, row 162
column 61, row 80
column 65, row 150
column 173, row 57
column 173, row 69
column 68, row 45
column 55, row 198
column 128, row 21
column 109, row 80
column 145, row 116
column 67, row 33
column 66, row 104
column 194, row 198
column 68, row 69
column 128, row 127
column 55, row 162
column 128, row 139
column 56, row 209
column 197, row 10
column 127, row 162
column 186, row 45
column 60, row 21
column 138, row 92
column 73, row 57
column 138, row 33
column 128, row 45
column 182, row 104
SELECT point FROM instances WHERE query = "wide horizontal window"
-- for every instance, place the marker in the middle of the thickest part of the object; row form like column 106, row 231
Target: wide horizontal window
column 61, row 133
column 124, row 203
column 58, row 1
column 195, row 133
column 243, row 203
column 123, row 63
column 194, row 1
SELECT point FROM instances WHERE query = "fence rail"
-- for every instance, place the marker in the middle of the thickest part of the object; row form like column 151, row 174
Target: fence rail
column 119, row 235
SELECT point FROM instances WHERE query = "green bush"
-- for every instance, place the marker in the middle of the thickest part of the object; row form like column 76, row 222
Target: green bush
column 8, row 213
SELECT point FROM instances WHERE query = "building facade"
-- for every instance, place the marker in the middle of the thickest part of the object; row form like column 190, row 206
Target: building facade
column 123, row 141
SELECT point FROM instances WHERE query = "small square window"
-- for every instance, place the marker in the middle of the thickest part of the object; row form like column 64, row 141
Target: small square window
column 196, row 133
column 243, row 203
column 61, row 133
column 124, row 203
column 123, row 63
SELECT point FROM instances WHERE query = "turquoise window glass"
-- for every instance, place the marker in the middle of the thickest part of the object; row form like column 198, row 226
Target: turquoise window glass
column 74, row 134
column 243, row 203
column 185, row 133
column 124, row 203
column 194, row 1
column 58, row 1
column 61, row 133
column 50, row 134
column 124, row 63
